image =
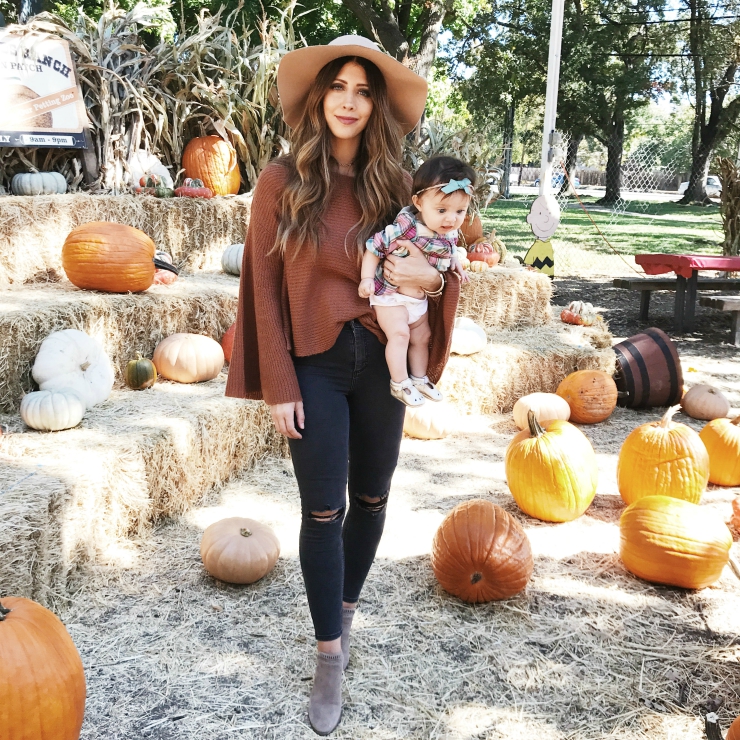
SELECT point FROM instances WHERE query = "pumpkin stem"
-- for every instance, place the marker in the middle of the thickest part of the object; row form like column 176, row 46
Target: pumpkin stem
column 84, row 366
column 666, row 421
column 3, row 612
column 244, row 532
column 711, row 725
column 736, row 420
column 734, row 566
column 535, row 428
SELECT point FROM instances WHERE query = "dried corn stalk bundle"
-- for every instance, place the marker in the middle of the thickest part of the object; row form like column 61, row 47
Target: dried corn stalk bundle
column 219, row 78
column 729, row 176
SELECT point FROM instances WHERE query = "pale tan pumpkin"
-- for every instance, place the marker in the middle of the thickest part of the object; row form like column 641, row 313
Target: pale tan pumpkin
column 546, row 407
column 238, row 550
column 430, row 421
column 705, row 402
column 188, row 358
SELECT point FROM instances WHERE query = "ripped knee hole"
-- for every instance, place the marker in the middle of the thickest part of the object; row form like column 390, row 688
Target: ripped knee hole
column 373, row 504
column 327, row 516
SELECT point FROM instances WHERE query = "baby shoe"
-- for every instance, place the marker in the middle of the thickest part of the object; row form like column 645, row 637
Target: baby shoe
column 425, row 386
column 407, row 393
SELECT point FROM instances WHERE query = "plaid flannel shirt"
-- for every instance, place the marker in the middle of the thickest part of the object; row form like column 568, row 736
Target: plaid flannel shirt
column 437, row 248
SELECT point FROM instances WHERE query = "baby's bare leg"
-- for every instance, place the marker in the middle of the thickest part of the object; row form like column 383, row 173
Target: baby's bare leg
column 419, row 340
column 394, row 321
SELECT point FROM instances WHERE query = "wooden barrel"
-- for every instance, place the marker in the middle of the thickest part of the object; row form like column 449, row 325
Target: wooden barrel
column 648, row 370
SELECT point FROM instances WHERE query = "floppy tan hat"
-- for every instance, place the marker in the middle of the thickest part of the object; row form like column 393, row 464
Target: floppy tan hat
column 407, row 91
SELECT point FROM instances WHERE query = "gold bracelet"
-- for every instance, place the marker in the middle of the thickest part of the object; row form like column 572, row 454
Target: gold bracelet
column 438, row 292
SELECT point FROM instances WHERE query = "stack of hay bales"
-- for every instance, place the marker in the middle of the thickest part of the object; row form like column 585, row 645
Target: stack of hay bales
column 72, row 498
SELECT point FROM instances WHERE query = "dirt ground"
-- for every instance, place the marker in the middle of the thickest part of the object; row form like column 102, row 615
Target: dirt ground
column 587, row 651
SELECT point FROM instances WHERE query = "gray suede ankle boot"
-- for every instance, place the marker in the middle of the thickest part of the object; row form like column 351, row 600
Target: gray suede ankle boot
column 325, row 702
column 347, row 615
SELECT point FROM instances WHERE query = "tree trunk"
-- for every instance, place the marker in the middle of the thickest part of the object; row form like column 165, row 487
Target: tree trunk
column 571, row 161
column 504, row 187
column 614, row 150
column 27, row 9
column 696, row 192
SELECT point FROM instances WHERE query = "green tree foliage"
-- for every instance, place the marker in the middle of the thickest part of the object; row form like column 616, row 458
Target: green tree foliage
column 609, row 68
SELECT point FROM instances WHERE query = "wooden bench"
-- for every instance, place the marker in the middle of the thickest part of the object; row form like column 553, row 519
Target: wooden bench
column 729, row 303
column 646, row 287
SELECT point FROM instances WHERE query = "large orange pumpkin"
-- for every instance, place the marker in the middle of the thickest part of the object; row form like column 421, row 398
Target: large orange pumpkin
column 481, row 553
column 721, row 437
column 674, row 542
column 471, row 230
column 591, row 395
column 105, row 256
column 42, row 682
column 734, row 732
column 212, row 160
column 551, row 472
column 663, row 458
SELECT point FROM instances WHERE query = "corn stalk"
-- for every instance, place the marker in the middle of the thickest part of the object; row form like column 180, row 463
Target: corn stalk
column 211, row 80
column 729, row 176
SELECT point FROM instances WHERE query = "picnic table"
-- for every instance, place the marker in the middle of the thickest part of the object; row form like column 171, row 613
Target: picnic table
column 687, row 268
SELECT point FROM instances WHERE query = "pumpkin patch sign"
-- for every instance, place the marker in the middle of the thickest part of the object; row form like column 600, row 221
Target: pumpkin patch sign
column 40, row 100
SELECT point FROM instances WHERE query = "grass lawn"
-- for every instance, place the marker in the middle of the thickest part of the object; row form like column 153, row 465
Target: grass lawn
column 645, row 227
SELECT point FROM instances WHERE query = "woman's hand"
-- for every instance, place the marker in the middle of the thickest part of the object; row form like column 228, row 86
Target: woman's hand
column 286, row 416
column 413, row 271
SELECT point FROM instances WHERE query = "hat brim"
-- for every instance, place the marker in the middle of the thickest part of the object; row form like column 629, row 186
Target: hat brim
column 407, row 91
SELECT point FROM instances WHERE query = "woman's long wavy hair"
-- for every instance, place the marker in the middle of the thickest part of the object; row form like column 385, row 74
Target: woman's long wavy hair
column 381, row 186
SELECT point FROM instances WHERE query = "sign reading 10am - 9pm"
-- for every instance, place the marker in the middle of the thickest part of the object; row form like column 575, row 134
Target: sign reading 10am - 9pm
column 40, row 103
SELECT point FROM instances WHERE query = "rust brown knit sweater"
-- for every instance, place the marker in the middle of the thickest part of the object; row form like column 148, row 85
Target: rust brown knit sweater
column 298, row 306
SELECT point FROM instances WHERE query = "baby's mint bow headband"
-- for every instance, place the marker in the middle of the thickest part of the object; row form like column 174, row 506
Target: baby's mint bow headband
column 452, row 186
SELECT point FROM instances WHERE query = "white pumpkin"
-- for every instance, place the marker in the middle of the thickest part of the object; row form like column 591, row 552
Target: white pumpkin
column 467, row 337
column 50, row 411
column 38, row 183
column 546, row 407
column 231, row 260
column 74, row 360
column 143, row 163
column 433, row 420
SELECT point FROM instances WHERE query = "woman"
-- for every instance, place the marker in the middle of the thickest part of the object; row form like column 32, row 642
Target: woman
column 308, row 344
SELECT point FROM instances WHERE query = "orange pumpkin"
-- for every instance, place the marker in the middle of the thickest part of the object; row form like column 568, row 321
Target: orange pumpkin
column 673, row 542
column 227, row 342
column 112, row 257
column 591, row 395
column 471, row 229
column 212, row 160
column 734, row 732
column 552, row 472
column 42, row 682
column 721, row 437
column 481, row 553
column 663, row 458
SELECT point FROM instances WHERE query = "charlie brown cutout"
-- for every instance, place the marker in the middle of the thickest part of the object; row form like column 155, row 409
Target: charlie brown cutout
column 543, row 219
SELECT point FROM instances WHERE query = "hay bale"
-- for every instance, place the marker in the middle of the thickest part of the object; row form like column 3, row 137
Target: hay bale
column 518, row 362
column 503, row 298
column 125, row 323
column 194, row 231
column 135, row 458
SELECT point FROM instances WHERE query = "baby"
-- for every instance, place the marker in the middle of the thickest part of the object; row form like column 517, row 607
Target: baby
column 442, row 189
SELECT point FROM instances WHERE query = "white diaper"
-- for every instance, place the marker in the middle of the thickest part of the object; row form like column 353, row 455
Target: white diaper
column 416, row 307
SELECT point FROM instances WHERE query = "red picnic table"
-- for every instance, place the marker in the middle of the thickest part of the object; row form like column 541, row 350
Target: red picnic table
column 686, row 267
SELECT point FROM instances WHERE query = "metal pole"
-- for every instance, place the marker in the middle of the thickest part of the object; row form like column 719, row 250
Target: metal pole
column 551, row 96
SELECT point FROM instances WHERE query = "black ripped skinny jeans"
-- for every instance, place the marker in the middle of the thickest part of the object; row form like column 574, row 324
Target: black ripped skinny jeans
column 350, row 444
